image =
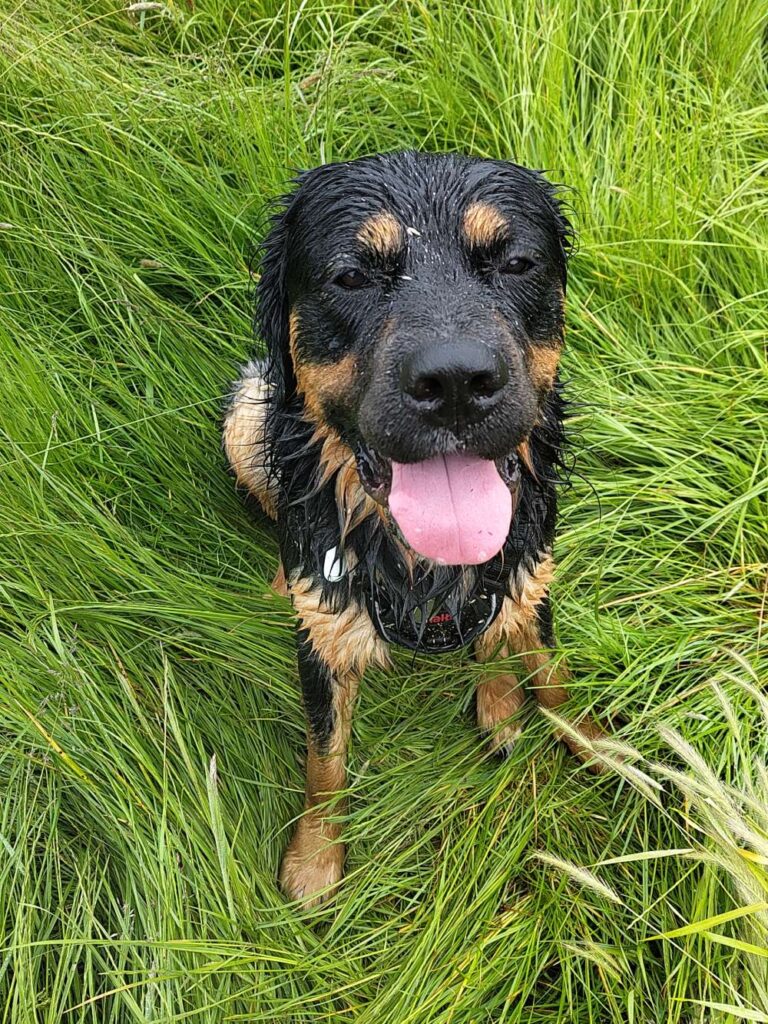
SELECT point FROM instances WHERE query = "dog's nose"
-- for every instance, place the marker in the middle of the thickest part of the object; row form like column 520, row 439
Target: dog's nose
column 455, row 382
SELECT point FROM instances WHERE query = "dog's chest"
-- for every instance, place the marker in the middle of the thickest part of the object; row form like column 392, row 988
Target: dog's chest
column 434, row 610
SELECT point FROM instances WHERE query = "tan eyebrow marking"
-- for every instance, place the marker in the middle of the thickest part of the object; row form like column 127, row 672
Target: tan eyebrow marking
column 483, row 223
column 382, row 232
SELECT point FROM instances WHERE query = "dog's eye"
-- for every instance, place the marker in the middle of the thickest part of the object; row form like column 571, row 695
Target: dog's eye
column 517, row 265
column 352, row 279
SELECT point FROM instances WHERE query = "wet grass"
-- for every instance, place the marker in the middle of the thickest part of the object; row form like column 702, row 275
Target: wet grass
column 152, row 732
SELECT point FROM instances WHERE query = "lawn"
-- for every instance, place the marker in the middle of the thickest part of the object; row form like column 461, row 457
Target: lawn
column 153, row 738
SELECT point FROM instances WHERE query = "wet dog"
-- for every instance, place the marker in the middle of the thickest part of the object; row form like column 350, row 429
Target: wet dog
column 405, row 431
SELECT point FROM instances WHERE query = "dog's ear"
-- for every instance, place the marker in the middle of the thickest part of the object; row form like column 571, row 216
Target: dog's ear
column 271, row 313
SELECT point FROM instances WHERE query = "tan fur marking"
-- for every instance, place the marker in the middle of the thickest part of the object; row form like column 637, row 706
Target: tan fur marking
column 334, row 454
column 347, row 640
column 548, row 679
column 354, row 503
column 383, row 233
column 317, row 383
column 244, row 441
column 524, row 451
column 542, row 365
column 293, row 334
column 279, row 583
column 483, row 224
column 313, row 864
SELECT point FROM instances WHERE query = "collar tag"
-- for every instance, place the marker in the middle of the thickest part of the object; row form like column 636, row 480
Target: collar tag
column 334, row 566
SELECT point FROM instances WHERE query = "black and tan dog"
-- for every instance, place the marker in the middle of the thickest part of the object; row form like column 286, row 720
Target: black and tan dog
column 405, row 432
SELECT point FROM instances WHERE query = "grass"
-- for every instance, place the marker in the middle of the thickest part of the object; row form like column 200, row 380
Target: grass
column 153, row 737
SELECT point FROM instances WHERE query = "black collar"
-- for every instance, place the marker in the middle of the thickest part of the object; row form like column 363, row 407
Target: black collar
column 430, row 608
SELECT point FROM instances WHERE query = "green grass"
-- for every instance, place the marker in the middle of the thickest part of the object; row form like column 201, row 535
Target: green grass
column 152, row 732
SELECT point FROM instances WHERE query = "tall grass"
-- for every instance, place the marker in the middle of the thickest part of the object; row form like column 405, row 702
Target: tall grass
column 153, row 736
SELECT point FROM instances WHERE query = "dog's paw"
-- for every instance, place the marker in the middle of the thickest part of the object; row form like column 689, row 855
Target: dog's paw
column 312, row 868
column 501, row 741
column 498, row 700
column 580, row 742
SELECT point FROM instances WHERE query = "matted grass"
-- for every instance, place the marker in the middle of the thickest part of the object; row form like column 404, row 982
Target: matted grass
column 152, row 730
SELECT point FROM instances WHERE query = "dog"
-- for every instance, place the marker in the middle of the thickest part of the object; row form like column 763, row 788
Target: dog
column 405, row 431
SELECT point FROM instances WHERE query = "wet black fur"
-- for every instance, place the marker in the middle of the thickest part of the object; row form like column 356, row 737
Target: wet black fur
column 317, row 690
column 309, row 522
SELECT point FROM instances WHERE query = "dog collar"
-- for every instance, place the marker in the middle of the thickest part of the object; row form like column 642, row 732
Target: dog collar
column 431, row 627
column 413, row 616
column 443, row 609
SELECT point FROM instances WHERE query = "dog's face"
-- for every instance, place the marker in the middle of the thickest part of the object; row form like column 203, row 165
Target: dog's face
column 420, row 299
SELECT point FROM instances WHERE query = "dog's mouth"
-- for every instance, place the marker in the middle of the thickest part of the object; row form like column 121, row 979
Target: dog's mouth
column 455, row 509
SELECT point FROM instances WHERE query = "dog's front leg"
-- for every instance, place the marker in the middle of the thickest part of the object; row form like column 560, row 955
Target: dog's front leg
column 334, row 648
column 533, row 642
column 523, row 628
column 314, row 861
column 499, row 698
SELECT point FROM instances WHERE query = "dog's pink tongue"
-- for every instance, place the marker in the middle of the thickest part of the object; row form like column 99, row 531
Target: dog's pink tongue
column 454, row 509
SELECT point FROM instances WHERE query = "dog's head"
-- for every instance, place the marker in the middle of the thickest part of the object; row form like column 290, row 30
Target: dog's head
column 415, row 304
